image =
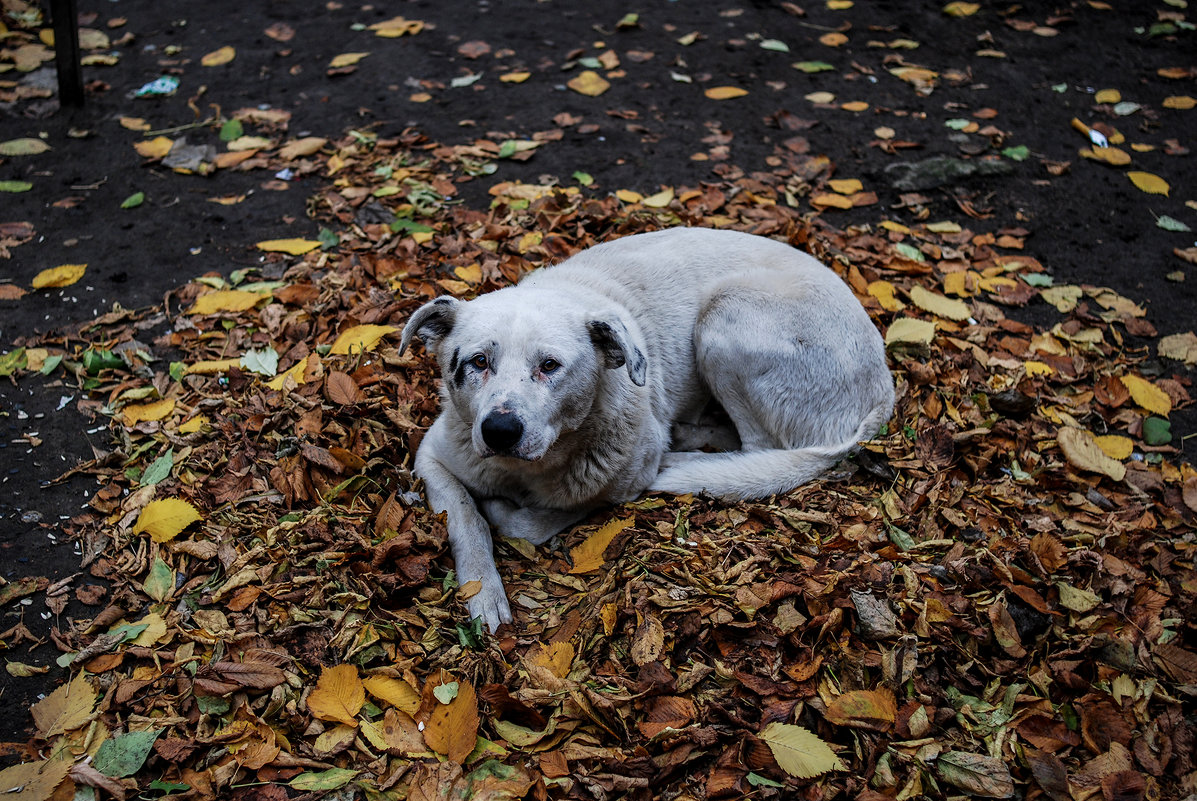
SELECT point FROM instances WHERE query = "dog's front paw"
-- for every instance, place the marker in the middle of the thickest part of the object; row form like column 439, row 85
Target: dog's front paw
column 490, row 602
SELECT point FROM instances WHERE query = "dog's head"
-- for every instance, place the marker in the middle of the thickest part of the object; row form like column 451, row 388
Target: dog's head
column 522, row 365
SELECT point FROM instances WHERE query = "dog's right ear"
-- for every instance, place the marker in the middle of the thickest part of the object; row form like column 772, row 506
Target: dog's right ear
column 431, row 323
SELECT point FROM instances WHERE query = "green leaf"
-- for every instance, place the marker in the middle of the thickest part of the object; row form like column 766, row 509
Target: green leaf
column 23, row 147
column 1038, row 279
column 124, row 754
column 775, row 44
column 1157, row 431
column 628, row 21
column 232, row 129
column 507, row 149
column 909, row 252
column 133, row 201
column 168, row 787
column 409, row 226
column 212, row 705
column 159, row 469
column 584, row 178
column 445, row 693
column 262, row 362
column 900, row 538
column 1018, row 153
column 328, row 239
column 160, row 582
column 1171, row 224
column 812, row 66
column 12, row 361
column 958, row 124
column 331, row 779
column 757, row 780
column 178, row 370
column 15, row 186
column 1059, row 88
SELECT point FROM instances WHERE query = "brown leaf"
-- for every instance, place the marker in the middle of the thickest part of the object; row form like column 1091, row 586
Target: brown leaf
column 258, row 675
column 648, row 642
column 864, row 709
column 1049, row 774
column 341, row 389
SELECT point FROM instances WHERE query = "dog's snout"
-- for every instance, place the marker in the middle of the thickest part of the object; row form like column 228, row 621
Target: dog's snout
column 501, row 431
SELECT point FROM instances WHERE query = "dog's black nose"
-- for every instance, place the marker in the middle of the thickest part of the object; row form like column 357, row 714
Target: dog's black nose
column 501, row 431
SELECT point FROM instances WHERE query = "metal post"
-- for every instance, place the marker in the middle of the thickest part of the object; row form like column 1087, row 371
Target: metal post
column 66, row 52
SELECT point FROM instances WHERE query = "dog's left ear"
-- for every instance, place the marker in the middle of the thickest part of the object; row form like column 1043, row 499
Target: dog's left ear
column 619, row 346
column 431, row 323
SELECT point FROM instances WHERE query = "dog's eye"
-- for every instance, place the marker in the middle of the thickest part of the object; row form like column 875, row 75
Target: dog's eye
column 480, row 361
column 549, row 365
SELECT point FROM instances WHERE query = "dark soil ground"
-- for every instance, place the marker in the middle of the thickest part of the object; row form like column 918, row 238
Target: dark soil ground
column 1088, row 225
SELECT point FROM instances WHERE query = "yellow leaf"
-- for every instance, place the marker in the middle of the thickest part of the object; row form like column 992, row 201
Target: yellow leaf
column 886, row 295
column 1083, row 452
column 555, row 657
column 938, row 305
column 799, row 752
column 1035, row 368
column 725, row 92
column 629, row 196
column 212, row 366
column 226, row 300
column 452, row 728
column 1108, row 155
column 166, row 518
column 296, row 247
column 589, row 83
column 529, row 241
column 820, row 97
column 67, row 708
column 155, row 148
column 833, row 39
column 33, row 781
column 824, row 200
column 338, row 696
column 360, row 338
column 155, row 630
column 855, row 105
column 839, row 5
column 55, row 277
column 515, row 77
column 155, row 410
column 1149, row 183
column 1147, row 395
column 866, row 709
column 1115, row 446
column 589, row 555
column 396, row 692
column 1179, row 102
column 944, row 227
column 217, row 57
column 295, row 372
column 890, row 225
column 470, row 273
column 846, row 186
column 134, row 123
column 346, row 60
column 243, row 143
column 396, row 27
column 909, row 331
column 660, row 200
column 1179, row 347
column 298, row 148
column 961, row 9
column 1108, row 96
column 458, row 288
column 194, row 424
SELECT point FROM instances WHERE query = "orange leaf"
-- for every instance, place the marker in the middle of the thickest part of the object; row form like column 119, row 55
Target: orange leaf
column 452, row 728
column 338, row 696
column 864, row 709
column 589, row 555
column 725, row 92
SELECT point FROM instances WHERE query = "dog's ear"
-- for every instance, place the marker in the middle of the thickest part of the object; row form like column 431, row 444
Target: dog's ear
column 619, row 346
column 431, row 323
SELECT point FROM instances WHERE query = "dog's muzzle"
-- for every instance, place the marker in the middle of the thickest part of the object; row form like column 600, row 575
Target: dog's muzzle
column 501, row 431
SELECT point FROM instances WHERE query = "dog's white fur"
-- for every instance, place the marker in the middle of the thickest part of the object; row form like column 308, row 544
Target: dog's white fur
column 599, row 364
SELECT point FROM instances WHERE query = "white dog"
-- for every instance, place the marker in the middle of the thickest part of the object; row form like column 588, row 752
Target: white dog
column 567, row 391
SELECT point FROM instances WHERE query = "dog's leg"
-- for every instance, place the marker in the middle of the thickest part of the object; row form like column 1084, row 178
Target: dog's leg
column 537, row 526
column 469, row 534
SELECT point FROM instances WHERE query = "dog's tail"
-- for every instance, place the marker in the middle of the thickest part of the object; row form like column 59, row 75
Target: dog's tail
column 751, row 475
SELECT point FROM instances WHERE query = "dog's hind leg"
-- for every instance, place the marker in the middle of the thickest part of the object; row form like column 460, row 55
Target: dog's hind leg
column 790, row 364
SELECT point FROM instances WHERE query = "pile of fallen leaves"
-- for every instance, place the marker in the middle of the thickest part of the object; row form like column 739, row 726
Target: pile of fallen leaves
column 994, row 598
